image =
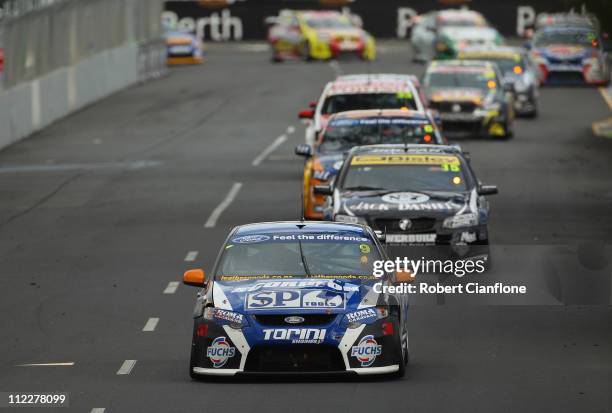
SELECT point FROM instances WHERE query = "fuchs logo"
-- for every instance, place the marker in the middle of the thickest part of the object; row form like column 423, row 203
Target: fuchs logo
column 405, row 198
column 366, row 351
column 220, row 351
column 250, row 239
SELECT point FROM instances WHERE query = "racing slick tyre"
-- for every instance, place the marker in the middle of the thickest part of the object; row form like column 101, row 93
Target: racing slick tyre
column 306, row 52
column 192, row 359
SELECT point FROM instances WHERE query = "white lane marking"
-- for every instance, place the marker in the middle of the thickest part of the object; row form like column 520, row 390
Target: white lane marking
column 271, row 148
column 191, row 256
column 98, row 410
column 63, row 364
column 78, row 166
column 290, row 130
column 151, row 324
column 229, row 198
column 126, row 367
column 335, row 67
column 171, row 288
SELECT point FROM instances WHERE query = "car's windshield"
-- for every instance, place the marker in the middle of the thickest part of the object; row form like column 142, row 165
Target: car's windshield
column 407, row 172
column 356, row 101
column 328, row 23
column 343, row 134
column 278, row 254
column 473, row 79
column 471, row 21
column 579, row 38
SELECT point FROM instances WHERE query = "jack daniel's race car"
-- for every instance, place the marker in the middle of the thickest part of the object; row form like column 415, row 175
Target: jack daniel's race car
column 419, row 195
column 291, row 297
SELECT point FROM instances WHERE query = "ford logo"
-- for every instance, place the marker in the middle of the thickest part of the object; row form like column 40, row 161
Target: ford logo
column 294, row 319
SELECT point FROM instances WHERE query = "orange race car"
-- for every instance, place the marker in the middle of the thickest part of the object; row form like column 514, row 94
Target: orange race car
column 345, row 130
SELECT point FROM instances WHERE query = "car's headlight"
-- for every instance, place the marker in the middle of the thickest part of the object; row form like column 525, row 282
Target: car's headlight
column 441, row 46
column 225, row 317
column 461, row 221
column 349, row 219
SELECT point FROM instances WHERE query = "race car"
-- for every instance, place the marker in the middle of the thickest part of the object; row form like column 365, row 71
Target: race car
column 359, row 127
column 570, row 55
column 424, row 196
column 518, row 71
column 298, row 297
column 318, row 35
column 362, row 91
column 470, row 98
column 183, row 48
column 441, row 34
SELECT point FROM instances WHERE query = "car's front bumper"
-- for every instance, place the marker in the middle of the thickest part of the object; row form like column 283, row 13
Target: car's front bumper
column 487, row 123
column 257, row 357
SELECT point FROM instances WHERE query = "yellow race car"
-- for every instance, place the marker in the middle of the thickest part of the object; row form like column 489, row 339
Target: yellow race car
column 318, row 35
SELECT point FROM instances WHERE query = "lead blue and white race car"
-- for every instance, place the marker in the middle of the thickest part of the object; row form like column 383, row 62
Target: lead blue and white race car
column 298, row 297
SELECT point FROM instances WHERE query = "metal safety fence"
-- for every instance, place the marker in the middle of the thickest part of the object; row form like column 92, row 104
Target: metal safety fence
column 40, row 36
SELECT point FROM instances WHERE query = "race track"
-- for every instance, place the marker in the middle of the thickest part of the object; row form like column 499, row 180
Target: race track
column 102, row 210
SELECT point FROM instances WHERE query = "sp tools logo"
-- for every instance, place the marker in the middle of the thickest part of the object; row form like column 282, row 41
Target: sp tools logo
column 366, row 350
column 220, row 351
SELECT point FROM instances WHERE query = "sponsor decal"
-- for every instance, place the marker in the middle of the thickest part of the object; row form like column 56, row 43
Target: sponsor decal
column 229, row 316
column 366, row 350
column 397, row 159
column 411, row 238
column 296, row 335
column 297, row 284
column 264, row 300
column 294, row 319
column 220, row 351
column 361, row 315
column 405, row 198
column 250, row 239
column 429, row 206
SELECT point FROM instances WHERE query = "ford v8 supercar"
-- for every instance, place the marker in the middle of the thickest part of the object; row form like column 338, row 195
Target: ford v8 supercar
column 570, row 55
column 298, row 297
column 354, row 128
column 362, row 91
column 424, row 196
column 318, row 35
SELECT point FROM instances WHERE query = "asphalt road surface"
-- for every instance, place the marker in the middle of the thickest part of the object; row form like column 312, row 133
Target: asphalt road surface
column 102, row 211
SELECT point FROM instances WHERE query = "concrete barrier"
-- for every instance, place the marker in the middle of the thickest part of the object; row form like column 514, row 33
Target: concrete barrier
column 31, row 106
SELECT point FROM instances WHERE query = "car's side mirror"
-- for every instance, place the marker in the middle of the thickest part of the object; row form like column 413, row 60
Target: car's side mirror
column 313, row 104
column 303, row 149
column 487, row 190
column 194, row 278
column 404, row 277
column 323, row 190
column 381, row 236
column 306, row 114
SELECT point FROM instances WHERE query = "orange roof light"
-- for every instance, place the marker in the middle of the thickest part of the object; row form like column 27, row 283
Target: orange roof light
column 491, row 84
column 427, row 138
column 517, row 69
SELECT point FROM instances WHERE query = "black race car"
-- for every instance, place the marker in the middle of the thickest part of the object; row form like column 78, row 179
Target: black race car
column 471, row 98
column 419, row 195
